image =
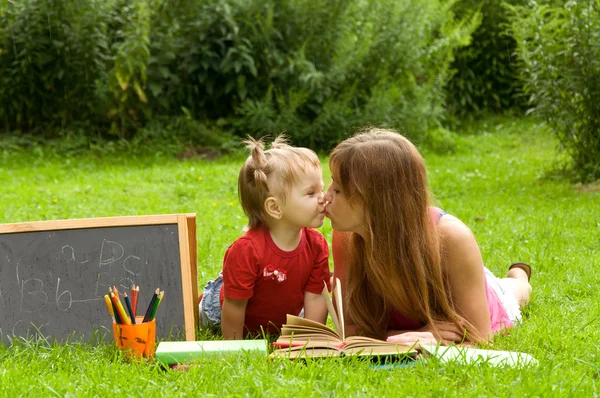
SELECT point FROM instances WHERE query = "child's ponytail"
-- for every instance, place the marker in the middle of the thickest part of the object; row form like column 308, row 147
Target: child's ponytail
column 258, row 163
column 280, row 142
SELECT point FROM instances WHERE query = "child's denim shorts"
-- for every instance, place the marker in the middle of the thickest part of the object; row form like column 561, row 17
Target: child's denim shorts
column 210, row 305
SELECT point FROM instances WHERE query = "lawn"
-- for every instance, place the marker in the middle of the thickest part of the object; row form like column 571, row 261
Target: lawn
column 500, row 180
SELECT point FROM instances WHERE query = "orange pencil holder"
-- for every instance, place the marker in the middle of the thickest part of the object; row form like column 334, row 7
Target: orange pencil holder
column 138, row 340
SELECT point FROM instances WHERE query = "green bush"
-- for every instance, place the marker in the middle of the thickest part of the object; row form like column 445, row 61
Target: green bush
column 386, row 63
column 316, row 69
column 130, row 29
column 52, row 62
column 200, row 57
column 486, row 75
column 560, row 54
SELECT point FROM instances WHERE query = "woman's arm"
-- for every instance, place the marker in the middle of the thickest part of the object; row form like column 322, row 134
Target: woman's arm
column 444, row 330
column 462, row 259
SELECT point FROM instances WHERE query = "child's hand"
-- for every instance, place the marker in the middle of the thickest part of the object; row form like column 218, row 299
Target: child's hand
column 314, row 307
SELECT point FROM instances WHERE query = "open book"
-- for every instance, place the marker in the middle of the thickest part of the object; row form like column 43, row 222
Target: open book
column 302, row 337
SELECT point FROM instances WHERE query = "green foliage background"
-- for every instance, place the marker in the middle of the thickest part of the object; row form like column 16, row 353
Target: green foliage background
column 206, row 72
column 558, row 46
column 486, row 77
column 317, row 69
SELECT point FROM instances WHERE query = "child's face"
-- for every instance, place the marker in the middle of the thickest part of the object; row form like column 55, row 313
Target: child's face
column 304, row 203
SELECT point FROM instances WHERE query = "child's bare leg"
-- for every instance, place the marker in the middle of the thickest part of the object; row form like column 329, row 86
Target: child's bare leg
column 521, row 284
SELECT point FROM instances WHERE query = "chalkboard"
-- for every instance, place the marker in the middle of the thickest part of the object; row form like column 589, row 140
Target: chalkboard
column 54, row 275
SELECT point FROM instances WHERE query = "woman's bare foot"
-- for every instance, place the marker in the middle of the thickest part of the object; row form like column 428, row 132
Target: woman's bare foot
column 519, row 271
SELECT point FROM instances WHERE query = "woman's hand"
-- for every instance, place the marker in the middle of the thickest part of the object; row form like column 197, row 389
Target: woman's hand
column 446, row 331
column 413, row 338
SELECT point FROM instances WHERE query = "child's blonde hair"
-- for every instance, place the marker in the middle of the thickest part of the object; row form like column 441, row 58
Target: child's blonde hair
column 270, row 173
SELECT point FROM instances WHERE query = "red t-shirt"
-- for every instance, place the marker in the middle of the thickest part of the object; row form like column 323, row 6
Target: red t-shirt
column 273, row 280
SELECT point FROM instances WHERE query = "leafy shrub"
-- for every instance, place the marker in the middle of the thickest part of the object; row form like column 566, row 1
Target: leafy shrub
column 387, row 65
column 200, row 63
column 316, row 69
column 487, row 76
column 52, row 56
column 559, row 50
column 131, row 52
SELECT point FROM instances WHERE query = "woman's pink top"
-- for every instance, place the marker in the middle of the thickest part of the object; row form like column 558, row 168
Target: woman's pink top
column 498, row 317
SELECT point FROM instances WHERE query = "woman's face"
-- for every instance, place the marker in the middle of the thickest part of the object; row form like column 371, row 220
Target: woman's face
column 343, row 215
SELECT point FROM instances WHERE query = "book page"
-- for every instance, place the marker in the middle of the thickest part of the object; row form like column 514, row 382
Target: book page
column 366, row 341
column 356, row 343
column 339, row 328
column 309, row 342
column 301, row 352
column 337, row 294
column 302, row 331
column 294, row 322
column 397, row 349
column 302, row 338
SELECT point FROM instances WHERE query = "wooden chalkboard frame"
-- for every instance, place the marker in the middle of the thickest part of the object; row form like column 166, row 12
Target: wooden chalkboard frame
column 186, row 226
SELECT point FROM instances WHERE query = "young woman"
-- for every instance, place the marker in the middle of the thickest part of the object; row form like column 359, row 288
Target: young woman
column 409, row 271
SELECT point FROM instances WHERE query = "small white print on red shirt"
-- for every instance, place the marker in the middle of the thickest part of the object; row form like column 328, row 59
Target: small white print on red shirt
column 274, row 274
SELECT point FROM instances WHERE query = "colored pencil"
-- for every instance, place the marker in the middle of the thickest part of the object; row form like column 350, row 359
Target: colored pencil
column 156, row 304
column 151, row 305
column 109, row 306
column 113, row 304
column 118, row 314
column 134, row 297
column 128, row 304
column 120, row 309
column 118, row 318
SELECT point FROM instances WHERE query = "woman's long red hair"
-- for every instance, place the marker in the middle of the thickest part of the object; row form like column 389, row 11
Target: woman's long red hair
column 397, row 265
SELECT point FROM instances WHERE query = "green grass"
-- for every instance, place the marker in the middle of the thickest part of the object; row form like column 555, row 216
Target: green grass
column 500, row 181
